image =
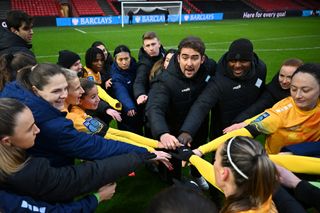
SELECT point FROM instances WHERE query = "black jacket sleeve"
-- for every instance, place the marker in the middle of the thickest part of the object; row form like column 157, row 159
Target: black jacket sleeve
column 156, row 109
column 285, row 203
column 41, row 181
column 201, row 108
column 141, row 82
column 21, row 204
column 308, row 194
column 265, row 101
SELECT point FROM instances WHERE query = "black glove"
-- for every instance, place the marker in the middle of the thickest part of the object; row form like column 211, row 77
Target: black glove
column 147, row 156
column 182, row 153
column 185, row 138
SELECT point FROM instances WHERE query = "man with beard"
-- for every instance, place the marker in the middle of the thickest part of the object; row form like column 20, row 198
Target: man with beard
column 172, row 95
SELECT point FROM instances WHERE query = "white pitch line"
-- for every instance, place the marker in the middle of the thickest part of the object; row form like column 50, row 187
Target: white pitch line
column 209, row 49
column 81, row 31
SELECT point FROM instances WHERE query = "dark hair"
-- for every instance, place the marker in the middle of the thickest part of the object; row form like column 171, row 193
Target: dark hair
column 97, row 43
column 310, row 68
column 192, row 42
column 9, row 108
column 38, row 75
column 15, row 18
column 149, row 35
column 10, row 64
column 254, row 173
column 180, row 199
column 91, row 56
column 86, row 85
column 121, row 48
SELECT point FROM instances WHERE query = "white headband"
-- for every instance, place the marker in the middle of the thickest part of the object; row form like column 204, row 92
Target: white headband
column 231, row 162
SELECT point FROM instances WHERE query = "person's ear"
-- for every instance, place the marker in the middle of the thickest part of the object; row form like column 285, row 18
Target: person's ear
column 6, row 141
column 178, row 58
column 15, row 31
column 202, row 59
column 35, row 90
column 225, row 173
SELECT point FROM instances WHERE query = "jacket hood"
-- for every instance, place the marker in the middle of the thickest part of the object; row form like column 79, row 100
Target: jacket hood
column 9, row 39
column 225, row 70
column 42, row 111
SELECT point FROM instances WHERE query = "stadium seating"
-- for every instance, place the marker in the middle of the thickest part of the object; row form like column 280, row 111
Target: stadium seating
column 113, row 8
column 209, row 6
column 275, row 5
column 87, row 8
column 37, row 7
column 310, row 4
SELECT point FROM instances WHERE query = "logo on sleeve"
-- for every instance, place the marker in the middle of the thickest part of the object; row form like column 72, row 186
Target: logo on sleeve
column 261, row 117
column 258, row 83
column 93, row 125
column 90, row 78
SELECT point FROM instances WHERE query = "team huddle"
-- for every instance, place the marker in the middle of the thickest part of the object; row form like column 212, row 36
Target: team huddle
column 171, row 106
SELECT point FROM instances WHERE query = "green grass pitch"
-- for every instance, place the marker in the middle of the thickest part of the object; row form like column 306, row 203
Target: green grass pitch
column 274, row 41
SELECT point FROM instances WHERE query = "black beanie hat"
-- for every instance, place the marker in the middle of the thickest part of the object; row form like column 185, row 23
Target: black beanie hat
column 67, row 58
column 240, row 49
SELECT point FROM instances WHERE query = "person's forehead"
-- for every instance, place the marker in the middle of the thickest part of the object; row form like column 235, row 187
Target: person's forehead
column 189, row 51
column 149, row 41
column 25, row 26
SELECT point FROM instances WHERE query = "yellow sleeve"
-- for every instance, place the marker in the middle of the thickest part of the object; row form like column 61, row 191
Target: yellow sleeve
column 120, row 139
column 130, row 136
column 249, row 120
column 214, row 144
column 114, row 103
column 205, row 168
column 298, row 164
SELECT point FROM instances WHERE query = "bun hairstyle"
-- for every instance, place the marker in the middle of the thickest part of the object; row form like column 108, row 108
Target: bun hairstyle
column 254, row 173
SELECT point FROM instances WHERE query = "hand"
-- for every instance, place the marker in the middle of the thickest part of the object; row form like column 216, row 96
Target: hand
column 287, row 178
column 185, row 138
column 114, row 114
column 234, row 127
column 169, row 141
column 163, row 157
column 106, row 192
column 183, row 153
column 142, row 99
column 108, row 83
column 131, row 113
column 197, row 152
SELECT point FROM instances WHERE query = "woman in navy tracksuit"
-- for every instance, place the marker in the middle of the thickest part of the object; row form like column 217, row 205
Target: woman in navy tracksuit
column 123, row 74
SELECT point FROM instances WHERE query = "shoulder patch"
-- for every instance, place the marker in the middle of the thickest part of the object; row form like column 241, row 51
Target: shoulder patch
column 93, row 125
column 90, row 78
column 258, row 83
column 261, row 117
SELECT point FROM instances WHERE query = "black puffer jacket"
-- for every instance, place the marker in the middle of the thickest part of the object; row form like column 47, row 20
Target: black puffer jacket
column 227, row 95
column 172, row 95
column 271, row 95
column 141, row 84
column 12, row 43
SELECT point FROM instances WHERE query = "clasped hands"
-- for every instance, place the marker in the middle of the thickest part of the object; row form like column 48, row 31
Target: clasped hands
column 179, row 147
